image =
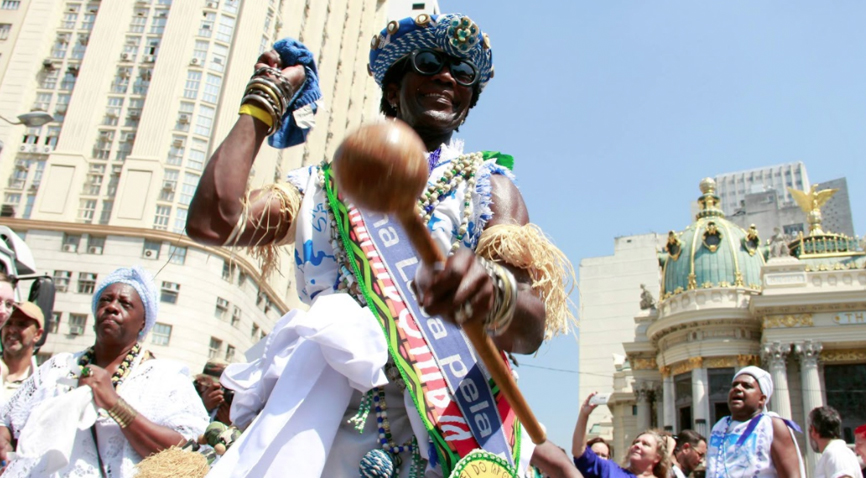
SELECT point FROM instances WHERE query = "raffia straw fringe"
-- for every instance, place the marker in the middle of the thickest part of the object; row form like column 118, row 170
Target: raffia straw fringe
column 173, row 463
column 289, row 200
column 553, row 279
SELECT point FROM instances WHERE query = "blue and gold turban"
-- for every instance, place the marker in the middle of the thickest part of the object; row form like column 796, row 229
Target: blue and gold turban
column 142, row 282
column 453, row 33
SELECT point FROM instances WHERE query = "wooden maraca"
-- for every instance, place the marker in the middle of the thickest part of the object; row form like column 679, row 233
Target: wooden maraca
column 381, row 168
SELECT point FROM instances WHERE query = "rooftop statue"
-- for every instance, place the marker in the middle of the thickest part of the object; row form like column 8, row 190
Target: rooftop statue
column 811, row 202
column 779, row 244
column 647, row 301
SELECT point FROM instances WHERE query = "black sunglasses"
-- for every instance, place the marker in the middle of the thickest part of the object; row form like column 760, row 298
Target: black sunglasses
column 430, row 62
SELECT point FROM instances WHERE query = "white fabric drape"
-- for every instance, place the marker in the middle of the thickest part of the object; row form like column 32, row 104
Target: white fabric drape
column 312, row 361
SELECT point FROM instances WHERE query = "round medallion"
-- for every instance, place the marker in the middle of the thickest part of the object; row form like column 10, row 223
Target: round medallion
column 482, row 464
column 422, row 20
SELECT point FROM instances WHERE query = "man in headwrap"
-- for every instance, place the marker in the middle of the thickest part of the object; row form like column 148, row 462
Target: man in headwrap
column 753, row 442
column 376, row 376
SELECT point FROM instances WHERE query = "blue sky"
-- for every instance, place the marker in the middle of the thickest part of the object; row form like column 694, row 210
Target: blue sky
column 615, row 110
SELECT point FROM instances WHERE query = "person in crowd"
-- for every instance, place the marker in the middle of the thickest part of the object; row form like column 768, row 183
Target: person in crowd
column 648, row 455
column 825, row 437
column 860, row 446
column 7, row 297
column 752, row 442
column 601, row 448
column 145, row 404
column 19, row 336
column 216, row 398
column 689, row 452
column 431, row 70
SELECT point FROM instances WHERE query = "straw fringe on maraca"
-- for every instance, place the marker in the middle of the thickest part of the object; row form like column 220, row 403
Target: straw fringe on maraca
column 173, row 463
column 552, row 274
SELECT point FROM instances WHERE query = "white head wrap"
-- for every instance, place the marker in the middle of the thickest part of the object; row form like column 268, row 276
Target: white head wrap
column 142, row 282
column 765, row 381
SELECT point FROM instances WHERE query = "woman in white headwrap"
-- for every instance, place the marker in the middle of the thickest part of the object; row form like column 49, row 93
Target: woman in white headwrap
column 98, row 412
column 753, row 442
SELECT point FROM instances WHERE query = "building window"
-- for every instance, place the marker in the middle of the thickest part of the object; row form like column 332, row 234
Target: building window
column 158, row 25
column 180, row 221
column 212, row 88
column 86, row 282
column 190, row 183
column 184, row 117
column 226, row 29
column 160, row 219
column 242, row 278
column 61, row 280
column 228, row 271
column 236, row 316
column 77, row 322
column 95, row 244
column 215, row 347
column 204, row 121
column 49, row 77
column 55, row 322
column 169, row 184
column 10, row 4
column 222, row 308
column 845, row 393
column 230, row 353
column 5, row 28
column 197, row 155
column 12, row 198
column 169, row 292
column 161, row 334
column 177, row 254
column 175, row 156
column 107, row 207
column 206, row 27
column 417, row 6
column 218, row 58
column 151, row 249
column 200, row 52
column 193, row 80
column 70, row 242
column 254, row 332
column 86, row 210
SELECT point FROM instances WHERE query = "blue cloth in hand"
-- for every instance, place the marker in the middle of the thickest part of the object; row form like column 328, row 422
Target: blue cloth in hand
column 293, row 52
column 591, row 466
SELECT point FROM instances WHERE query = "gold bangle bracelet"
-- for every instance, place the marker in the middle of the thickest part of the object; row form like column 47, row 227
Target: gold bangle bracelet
column 122, row 413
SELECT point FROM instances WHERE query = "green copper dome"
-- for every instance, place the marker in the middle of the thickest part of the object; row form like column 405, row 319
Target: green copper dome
column 711, row 252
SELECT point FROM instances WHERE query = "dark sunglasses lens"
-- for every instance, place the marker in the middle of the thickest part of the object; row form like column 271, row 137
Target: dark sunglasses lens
column 463, row 72
column 428, row 62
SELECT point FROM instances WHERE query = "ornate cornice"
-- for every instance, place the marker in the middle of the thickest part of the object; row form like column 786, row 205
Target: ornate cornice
column 721, row 362
column 789, row 320
column 643, row 363
column 846, row 355
column 744, row 360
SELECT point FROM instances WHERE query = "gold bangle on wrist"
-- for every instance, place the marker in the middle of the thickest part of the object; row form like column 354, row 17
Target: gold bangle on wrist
column 122, row 413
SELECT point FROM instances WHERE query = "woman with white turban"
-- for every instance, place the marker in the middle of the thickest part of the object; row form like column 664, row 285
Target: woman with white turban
column 99, row 412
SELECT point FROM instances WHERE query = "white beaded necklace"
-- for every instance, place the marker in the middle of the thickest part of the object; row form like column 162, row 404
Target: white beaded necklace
column 464, row 169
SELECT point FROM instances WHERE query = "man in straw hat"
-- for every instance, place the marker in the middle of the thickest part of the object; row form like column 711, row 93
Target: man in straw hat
column 752, row 441
column 20, row 336
column 333, row 393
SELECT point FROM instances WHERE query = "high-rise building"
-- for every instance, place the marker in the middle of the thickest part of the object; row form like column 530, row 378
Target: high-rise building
column 733, row 187
column 142, row 92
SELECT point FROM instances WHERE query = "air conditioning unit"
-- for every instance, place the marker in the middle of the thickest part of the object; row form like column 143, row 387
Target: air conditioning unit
column 129, row 137
column 70, row 248
column 76, row 330
column 171, row 286
column 40, row 107
column 24, row 148
column 112, row 113
column 149, row 58
column 72, row 10
column 168, row 186
column 150, row 254
column 94, row 250
column 105, row 135
column 222, row 303
column 47, row 149
column 124, row 73
column 125, row 56
column 183, row 119
column 213, row 4
column 61, row 108
column 177, row 143
column 195, row 61
column 135, row 114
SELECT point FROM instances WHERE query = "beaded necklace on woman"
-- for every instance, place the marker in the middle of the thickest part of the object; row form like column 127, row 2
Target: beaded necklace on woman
column 123, row 369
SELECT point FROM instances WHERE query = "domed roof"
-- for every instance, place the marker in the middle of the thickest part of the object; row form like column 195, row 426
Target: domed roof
column 711, row 252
